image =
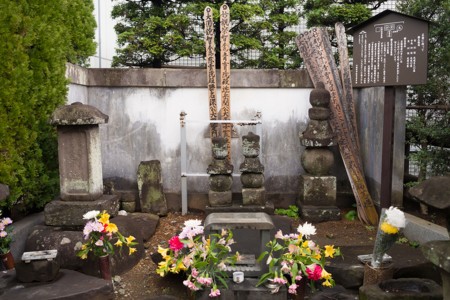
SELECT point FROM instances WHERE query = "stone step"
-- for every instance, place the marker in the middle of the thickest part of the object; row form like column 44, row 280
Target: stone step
column 67, row 285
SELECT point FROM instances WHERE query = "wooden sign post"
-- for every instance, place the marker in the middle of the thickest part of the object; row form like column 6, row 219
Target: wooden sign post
column 389, row 49
column 211, row 68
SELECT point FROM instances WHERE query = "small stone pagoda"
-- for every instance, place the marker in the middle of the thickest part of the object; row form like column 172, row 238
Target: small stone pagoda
column 220, row 171
column 317, row 199
column 80, row 166
column 252, row 177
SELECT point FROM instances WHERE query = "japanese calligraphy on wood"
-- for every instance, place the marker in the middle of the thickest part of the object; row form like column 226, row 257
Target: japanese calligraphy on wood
column 211, row 68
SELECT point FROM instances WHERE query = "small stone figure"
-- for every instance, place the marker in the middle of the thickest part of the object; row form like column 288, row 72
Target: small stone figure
column 252, row 178
column 220, row 170
column 317, row 189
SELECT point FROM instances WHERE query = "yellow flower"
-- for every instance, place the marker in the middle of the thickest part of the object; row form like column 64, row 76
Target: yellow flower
column 325, row 275
column 83, row 247
column 317, row 255
column 305, row 244
column 118, row 243
column 329, row 251
column 130, row 239
column 112, row 228
column 104, row 218
column 327, row 283
column 84, row 256
column 132, row 250
column 163, row 251
column 388, row 228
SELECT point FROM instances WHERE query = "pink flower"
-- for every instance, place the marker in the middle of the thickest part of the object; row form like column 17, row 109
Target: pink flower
column 293, row 289
column 194, row 272
column 3, row 233
column 205, row 280
column 279, row 280
column 298, row 277
column 279, row 235
column 7, row 221
column 314, row 271
column 99, row 243
column 215, row 292
column 190, row 285
column 175, row 244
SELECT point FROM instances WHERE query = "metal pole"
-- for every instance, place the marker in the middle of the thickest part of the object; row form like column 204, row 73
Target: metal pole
column 99, row 35
column 388, row 141
column 184, row 204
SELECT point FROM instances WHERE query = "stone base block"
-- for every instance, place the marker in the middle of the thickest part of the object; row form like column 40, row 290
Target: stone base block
column 70, row 213
column 220, row 198
column 237, row 206
column 128, row 206
column 254, row 196
column 317, row 190
column 320, row 213
column 39, row 270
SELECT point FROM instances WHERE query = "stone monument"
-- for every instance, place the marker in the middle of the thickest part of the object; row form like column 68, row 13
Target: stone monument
column 220, row 171
column 317, row 199
column 80, row 166
column 252, row 177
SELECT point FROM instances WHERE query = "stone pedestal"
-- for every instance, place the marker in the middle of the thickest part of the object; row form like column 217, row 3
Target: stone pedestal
column 220, row 179
column 252, row 177
column 80, row 166
column 70, row 213
column 317, row 191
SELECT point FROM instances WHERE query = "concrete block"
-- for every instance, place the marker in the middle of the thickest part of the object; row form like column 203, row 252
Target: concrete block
column 254, row 196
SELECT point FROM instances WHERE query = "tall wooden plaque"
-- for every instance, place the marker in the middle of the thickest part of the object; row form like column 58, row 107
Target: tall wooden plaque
column 225, row 72
column 315, row 48
column 211, row 68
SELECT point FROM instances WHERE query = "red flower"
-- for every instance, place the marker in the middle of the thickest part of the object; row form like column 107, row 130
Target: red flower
column 175, row 244
column 314, row 271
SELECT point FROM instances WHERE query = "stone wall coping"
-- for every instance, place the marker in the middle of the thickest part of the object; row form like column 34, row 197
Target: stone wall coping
column 185, row 78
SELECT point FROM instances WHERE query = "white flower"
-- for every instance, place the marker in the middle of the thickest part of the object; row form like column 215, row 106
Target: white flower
column 306, row 229
column 192, row 223
column 122, row 213
column 395, row 217
column 91, row 214
column 99, row 243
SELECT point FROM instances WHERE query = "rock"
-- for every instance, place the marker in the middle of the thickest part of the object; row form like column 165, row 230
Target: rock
column 402, row 289
column 143, row 223
column 150, row 187
column 67, row 285
column 40, row 270
column 251, row 165
column 250, row 145
column 220, row 183
column 434, row 191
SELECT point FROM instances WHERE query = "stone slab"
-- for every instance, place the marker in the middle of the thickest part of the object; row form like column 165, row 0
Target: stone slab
column 237, row 206
column 70, row 213
column 4, row 191
column 320, row 213
column 422, row 231
column 151, row 192
column 245, row 290
column 348, row 271
column 68, row 285
column 438, row 252
column 258, row 221
column 429, row 290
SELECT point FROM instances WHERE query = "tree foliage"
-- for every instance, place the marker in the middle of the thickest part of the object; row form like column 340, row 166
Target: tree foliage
column 37, row 39
column 430, row 128
column 155, row 33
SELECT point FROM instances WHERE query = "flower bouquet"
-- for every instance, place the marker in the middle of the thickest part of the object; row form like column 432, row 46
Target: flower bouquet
column 5, row 235
column 391, row 221
column 5, row 242
column 204, row 259
column 294, row 257
column 101, row 236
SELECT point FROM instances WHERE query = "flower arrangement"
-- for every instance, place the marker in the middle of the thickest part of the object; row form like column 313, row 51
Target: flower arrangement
column 294, row 257
column 100, row 234
column 5, row 234
column 391, row 221
column 204, row 259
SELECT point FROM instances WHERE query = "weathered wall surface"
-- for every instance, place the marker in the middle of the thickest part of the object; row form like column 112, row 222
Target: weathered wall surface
column 144, row 107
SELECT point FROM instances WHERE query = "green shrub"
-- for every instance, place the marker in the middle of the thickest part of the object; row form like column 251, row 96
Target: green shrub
column 37, row 39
